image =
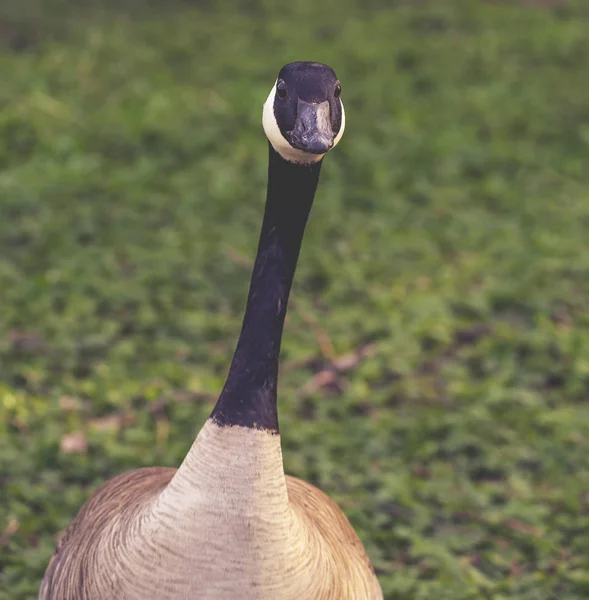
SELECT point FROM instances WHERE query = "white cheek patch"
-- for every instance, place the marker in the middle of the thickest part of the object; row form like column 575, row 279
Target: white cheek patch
column 281, row 144
column 342, row 126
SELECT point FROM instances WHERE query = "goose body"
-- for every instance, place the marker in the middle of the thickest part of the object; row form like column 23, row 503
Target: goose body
column 228, row 524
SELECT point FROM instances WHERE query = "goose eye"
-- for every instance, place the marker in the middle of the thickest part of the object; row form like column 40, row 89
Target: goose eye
column 338, row 90
column 281, row 90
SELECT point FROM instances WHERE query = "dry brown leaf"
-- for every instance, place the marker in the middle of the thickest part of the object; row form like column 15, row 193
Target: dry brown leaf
column 11, row 528
column 69, row 403
column 75, row 442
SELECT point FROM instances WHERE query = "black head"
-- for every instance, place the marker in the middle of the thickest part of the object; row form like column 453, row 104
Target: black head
column 304, row 115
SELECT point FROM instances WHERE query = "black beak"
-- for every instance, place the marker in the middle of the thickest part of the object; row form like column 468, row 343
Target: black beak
column 312, row 131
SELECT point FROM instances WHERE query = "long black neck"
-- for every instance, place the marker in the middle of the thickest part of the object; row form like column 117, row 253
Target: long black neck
column 249, row 396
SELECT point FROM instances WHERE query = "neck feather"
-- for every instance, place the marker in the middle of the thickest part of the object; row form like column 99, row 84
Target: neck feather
column 248, row 398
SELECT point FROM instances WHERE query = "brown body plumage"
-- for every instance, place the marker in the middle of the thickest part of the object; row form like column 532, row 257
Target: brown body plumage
column 228, row 524
column 262, row 536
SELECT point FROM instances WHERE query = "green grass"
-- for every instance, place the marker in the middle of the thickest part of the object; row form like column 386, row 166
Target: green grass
column 448, row 246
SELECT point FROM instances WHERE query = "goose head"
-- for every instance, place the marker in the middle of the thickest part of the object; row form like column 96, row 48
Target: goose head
column 303, row 116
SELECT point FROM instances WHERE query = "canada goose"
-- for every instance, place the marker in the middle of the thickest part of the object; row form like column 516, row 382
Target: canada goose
column 228, row 523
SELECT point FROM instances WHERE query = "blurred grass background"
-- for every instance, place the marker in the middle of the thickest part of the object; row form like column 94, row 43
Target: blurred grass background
column 436, row 357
